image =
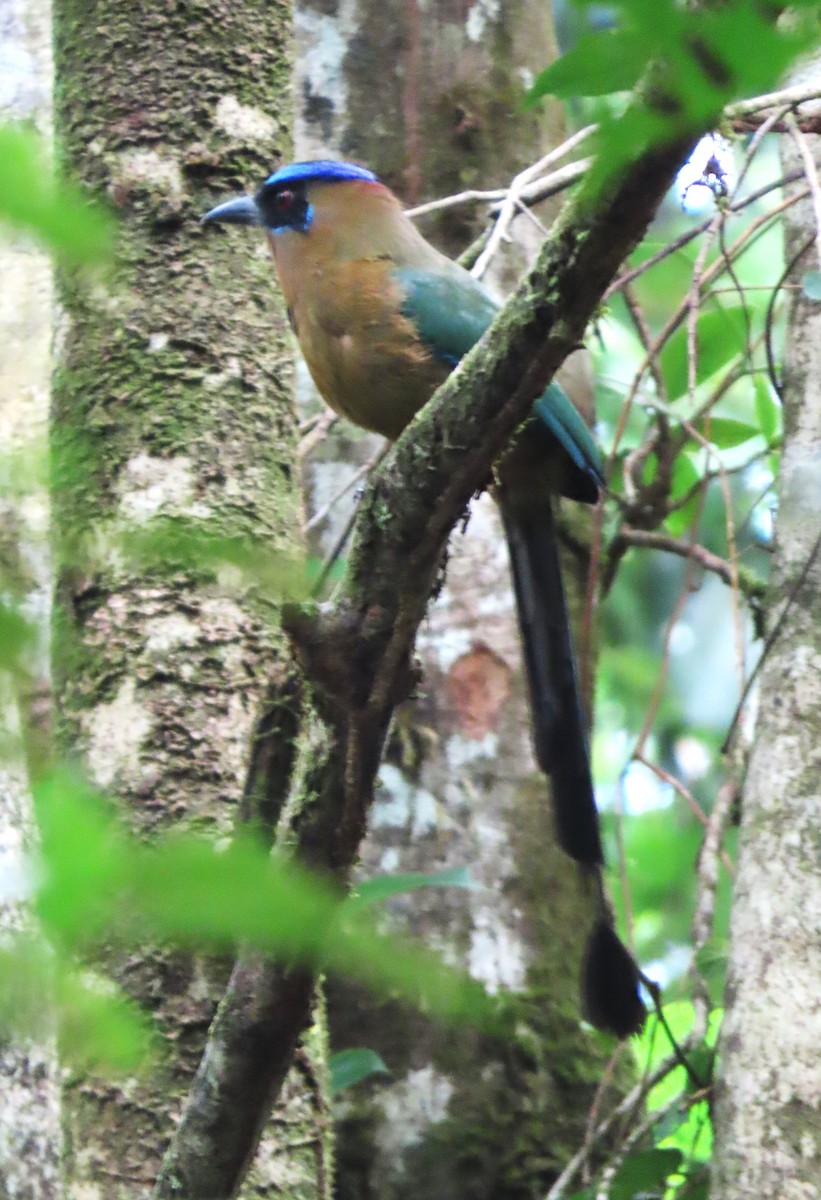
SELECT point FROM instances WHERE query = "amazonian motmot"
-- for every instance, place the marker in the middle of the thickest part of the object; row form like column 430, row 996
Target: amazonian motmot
column 382, row 318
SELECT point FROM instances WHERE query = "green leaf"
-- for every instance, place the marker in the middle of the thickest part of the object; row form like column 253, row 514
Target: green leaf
column 767, row 409
column 381, row 887
column 698, row 60
column 721, row 337
column 672, row 1121
column 98, row 1027
column 174, row 543
column 100, row 884
column 726, row 433
column 712, row 959
column 811, row 285
column 611, row 60
column 702, row 1062
column 686, row 475
column 645, row 1173
column 349, row 1067
column 31, row 199
column 16, row 636
column 84, row 857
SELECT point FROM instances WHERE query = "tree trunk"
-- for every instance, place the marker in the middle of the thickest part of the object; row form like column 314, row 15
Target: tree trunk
column 172, row 400
column 431, row 100
column 768, row 1104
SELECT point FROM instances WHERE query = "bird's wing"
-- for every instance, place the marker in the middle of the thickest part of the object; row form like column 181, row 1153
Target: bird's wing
column 558, row 416
column 450, row 310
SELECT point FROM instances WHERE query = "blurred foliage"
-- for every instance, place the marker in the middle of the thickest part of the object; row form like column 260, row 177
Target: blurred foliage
column 349, row 1067
column 100, row 886
column 43, row 993
column 34, row 200
column 679, row 64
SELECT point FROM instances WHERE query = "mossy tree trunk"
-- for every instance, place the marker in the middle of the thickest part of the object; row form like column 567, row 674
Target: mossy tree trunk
column 171, row 400
column 430, row 97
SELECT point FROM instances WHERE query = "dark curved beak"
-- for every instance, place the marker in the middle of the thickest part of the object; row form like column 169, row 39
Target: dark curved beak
column 242, row 210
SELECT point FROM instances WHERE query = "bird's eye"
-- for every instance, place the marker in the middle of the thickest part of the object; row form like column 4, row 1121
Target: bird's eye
column 284, row 207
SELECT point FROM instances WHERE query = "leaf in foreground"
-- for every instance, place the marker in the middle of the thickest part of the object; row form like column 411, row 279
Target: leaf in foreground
column 101, row 884
column 349, row 1067
column 32, row 199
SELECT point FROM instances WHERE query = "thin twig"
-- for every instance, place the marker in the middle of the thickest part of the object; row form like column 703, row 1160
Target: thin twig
column 707, row 879
column 514, row 197
column 658, row 690
column 810, row 174
column 788, row 97
column 540, row 189
column 686, row 795
column 625, row 1109
column 314, row 431
column 352, row 480
column 772, row 638
column 769, row 317
column 675, row 320
column 619, row 809
column 690, row 235
column 705, row 558
column 632, row 1140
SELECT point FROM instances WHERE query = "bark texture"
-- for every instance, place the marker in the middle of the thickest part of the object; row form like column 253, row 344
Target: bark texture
column 430, row 98
column 768, row 1106
column 172, row 400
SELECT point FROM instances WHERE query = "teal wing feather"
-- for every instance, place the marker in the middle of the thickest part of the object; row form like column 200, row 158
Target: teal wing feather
column 557, row 412
column 451, row 311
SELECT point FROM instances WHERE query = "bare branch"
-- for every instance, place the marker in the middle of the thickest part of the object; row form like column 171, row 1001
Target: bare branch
column 811, row 175
column 788, row 97
column 661, row 541
column 633, row 1102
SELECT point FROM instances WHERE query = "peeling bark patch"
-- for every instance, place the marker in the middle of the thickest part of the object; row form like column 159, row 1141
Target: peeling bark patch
column 399, row 804
column 147, row 168
column 482, row 14
column 116, row 733
column 164, row 634
column 419, row 1100
column 478, row 687
column 496, row 956
column 242, row 122
column 153, row 484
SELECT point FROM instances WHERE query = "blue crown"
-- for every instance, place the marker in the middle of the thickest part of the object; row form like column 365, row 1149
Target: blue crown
column 321, row 168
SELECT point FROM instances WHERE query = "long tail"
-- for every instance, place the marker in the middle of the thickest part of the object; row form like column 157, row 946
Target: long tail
column 559, row 726
column 610, row 975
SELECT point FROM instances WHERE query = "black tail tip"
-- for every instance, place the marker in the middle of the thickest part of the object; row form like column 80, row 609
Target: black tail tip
column 610, row 984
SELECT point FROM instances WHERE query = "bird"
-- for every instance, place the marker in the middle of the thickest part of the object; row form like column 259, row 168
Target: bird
column 382, row 317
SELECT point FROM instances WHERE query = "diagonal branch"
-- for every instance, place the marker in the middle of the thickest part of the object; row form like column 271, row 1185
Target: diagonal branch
column 357, row 654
